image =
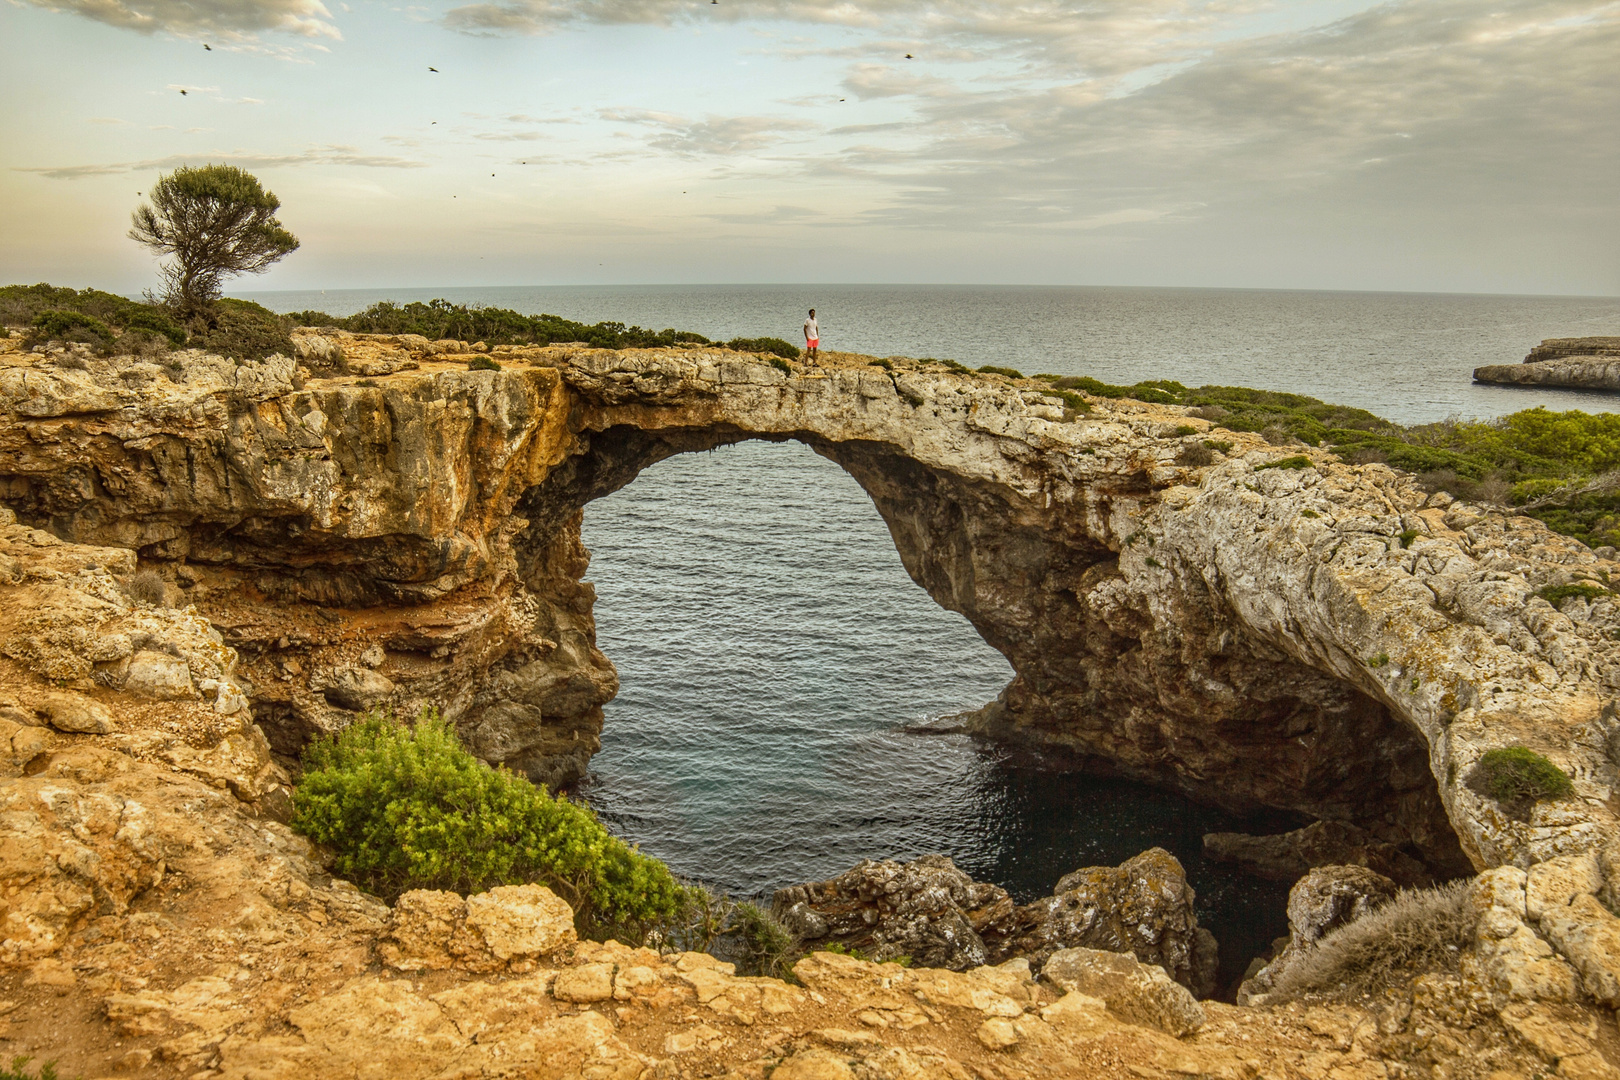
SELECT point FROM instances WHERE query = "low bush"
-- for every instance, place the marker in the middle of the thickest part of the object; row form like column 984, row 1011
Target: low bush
column 1517, row 774
column 482, row 363
column 1298, row 461
column 147, row 587
column 1419, row 931
column 768, row 947
column 62, row 325
column 88, row 315
column 770, row 345
column 884, row 364
column 1556, row 594
column 19, row 1070
column 242, row 330
column 991, row 369
column 781, row 365
column 406, row 807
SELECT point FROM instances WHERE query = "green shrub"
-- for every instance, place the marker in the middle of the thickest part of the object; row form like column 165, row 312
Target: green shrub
column 370, row 384
column 991, row 369
column 774, row 346
column 1223, row 445
column 1378, row 661
column 781, row 365
column 1417, row 932
column 99, row 317
column 1183, row 430
column 242, row 330
column 1555, row 594
column 1517, row 774
column 59, row 325
column 884, row 364
column 406, row 807
column 482, row 363
column 1407, row 536
column 1308, row 512
column 152, row 318
column 1298, row 461
column 19, row 1070
column 768, row 947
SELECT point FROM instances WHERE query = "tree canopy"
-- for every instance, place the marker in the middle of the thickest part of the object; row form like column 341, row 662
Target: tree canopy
column 217, row 221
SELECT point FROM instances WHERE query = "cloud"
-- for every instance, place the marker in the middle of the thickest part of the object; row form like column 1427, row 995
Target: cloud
column 714, row 136
column 327, row 155
column 224, row 20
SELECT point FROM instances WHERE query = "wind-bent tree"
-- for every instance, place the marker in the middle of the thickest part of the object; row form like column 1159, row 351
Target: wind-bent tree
column 217, row 221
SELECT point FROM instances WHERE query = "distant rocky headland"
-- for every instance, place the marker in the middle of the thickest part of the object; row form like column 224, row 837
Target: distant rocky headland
column 205, row 564
column 1586, row 363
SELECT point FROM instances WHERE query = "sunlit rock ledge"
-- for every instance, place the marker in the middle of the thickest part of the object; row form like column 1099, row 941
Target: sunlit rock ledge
column 205, row 563
column 1589, row 363
column 1326, row 638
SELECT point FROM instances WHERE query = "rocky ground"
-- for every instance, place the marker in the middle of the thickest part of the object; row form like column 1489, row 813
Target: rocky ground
column 209, row 562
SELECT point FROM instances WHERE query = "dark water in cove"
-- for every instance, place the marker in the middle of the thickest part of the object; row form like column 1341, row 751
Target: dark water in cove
column 773, row 651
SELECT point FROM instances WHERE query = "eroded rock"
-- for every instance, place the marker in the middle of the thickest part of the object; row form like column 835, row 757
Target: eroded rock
column 1138, row 992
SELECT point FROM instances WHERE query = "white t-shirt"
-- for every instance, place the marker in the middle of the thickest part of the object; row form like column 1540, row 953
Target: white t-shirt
column 811, row 330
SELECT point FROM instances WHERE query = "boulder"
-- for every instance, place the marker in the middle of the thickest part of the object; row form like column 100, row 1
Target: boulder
column 356, row 688
column 159, row 676
column 1553, row 884
column 1290, row 856
column 76, row 713
column 1320, row 902
column 1516, row 963
column 1136, row 992
column 1144, row 907
column 926, row 909
column 1330, row 896
column 1589, row 936
column 937, row 915
column 511, row 924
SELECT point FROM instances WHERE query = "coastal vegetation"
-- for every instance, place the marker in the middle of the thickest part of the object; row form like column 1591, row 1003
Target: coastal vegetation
column 1562, row 468
column 1517, row 774
column 1423, row 930
column 404, row 806
column 441, row 319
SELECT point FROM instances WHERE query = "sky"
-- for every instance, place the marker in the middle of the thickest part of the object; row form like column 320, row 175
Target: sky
column 1422, row 145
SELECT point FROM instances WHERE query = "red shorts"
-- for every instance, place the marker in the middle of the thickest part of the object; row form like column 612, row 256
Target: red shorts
column 813, row 343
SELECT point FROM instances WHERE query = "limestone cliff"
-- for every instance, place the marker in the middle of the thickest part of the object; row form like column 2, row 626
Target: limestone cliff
column 1252, row 625
column 1316, row 636
column 1589, row 363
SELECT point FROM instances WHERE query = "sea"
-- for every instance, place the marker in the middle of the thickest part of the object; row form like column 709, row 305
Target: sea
column 779, row 670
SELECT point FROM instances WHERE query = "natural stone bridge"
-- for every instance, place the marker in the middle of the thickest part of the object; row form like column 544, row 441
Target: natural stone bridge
column 1327, row 639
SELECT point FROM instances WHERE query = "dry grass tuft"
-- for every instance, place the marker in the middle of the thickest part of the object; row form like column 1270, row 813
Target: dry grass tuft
column 1420, row 931
column 147, row 587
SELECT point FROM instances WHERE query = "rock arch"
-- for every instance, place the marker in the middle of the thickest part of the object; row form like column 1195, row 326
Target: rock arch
column 1326, row 639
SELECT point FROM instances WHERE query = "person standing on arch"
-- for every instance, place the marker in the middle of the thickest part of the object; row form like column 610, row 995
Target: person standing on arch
column 812, row 336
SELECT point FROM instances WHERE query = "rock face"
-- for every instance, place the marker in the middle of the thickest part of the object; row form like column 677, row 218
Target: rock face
column 158, row 919
column 1591, row 363
column 1320, row 639
column 1290, row 856
column 1135, row 991
column 931, row 912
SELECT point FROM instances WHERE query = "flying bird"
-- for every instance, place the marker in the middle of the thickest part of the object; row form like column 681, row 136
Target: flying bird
column 434, row 70
column 210, row 48
column 910, row 57
column 182, row 93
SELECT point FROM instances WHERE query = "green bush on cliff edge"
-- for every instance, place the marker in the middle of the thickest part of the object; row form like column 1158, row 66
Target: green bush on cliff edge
column 405, row 806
